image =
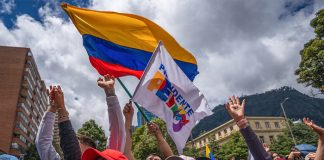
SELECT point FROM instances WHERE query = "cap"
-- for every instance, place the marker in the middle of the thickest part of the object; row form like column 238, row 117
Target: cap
column 108, row 154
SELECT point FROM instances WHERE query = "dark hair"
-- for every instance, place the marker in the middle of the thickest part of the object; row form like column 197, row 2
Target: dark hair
column 85, row 140
column 153, row 154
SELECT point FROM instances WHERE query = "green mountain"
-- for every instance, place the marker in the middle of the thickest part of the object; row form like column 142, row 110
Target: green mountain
column 297, row 106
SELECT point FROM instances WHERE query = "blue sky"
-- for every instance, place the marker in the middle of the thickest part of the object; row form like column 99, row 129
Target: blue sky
column 31, row 7
column 242, row 47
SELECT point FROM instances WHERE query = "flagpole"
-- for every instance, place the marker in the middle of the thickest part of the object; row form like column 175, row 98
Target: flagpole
column 130, row 96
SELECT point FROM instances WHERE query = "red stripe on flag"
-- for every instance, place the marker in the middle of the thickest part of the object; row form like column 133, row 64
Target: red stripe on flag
column 113, row 69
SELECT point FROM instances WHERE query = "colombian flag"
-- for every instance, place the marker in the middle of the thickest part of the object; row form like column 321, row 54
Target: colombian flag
column 122, row 44
column 209, row 154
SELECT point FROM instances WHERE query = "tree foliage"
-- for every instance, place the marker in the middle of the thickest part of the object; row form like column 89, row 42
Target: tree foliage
column 302, row 134
column 95, row 132
column 235, row 147
column 144, row 143
column 311, row 67
column 31, row 153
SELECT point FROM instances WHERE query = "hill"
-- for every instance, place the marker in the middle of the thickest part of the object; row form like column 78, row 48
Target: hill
column 297, row 106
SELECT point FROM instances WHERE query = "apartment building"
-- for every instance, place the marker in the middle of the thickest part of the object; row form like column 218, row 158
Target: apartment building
column 23, row 100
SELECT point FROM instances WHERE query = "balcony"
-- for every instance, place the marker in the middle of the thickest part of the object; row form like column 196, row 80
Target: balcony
column 23, row 106
column 23, row 93
column 26, row 83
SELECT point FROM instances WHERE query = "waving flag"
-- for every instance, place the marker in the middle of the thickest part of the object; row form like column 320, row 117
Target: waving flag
column 168, row 93
column 209, row 154
column 122, row 44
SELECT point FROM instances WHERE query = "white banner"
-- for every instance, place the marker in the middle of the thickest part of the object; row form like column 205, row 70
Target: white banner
column 168, row 93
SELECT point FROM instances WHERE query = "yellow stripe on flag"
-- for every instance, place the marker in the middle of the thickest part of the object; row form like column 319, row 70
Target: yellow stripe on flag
column 126, row 30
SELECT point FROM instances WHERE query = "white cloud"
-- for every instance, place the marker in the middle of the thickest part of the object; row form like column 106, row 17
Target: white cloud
column 241, row 48
column 6, row 6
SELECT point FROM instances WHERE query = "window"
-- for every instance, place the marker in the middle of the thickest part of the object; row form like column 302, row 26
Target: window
column 22, row 138
column 22, row 127
column 271, row 138
column 225, row 131
column 20, row 114
column 14, row 145
column 34, row 121
column 31, row 137
column 33, row 129
column 23, row 106
column 277, row 124
column 257, row 125
column 231, row 128
column 219, row 134
column 261, row 139
column 267, row 124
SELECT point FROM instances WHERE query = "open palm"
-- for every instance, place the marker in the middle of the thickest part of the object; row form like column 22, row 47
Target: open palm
column 235, row 108
column 315, row 127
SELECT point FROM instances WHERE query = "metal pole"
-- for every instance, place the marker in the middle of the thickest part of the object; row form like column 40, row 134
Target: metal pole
column 130, row 96
column 283, row 110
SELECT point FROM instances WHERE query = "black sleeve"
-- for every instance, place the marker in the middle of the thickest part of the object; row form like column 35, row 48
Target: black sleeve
column 69, row 141
column 254, row 144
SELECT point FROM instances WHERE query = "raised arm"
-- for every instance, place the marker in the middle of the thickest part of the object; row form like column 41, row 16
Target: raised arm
column 116, row 139
column 69, row 142
column 163, row 145
column 236, row 111
column 44, row 135
column 128, row 114
column 320, row 131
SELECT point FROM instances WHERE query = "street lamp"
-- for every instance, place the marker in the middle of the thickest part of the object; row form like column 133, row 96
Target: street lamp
column 283, row 110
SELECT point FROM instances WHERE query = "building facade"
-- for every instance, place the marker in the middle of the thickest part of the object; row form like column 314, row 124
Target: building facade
column 266, row 128
column 23, row 100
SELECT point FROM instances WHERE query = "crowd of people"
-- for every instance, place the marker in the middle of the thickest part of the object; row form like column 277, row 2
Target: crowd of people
column 119, row 142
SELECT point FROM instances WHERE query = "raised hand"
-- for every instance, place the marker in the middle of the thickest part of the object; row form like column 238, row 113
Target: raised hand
column 314, row 127
column 235, row 108
column 154, row 129
column 128, row 112
column 50, row 93
column 107, row 83
column 311, row 156
column 266, row 147
column 58, row 97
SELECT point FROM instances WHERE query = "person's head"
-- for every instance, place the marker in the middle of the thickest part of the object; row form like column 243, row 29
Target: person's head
column 294, row 149
column 275, row 156
column 86, row 142
column 153, row 156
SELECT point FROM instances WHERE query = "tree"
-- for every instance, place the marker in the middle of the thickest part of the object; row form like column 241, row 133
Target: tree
column 302, row 134
column 213, row 145
column 144, row 143
column 31, row 153
column 235, row 147
column 95, row 132
column 311, row 67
